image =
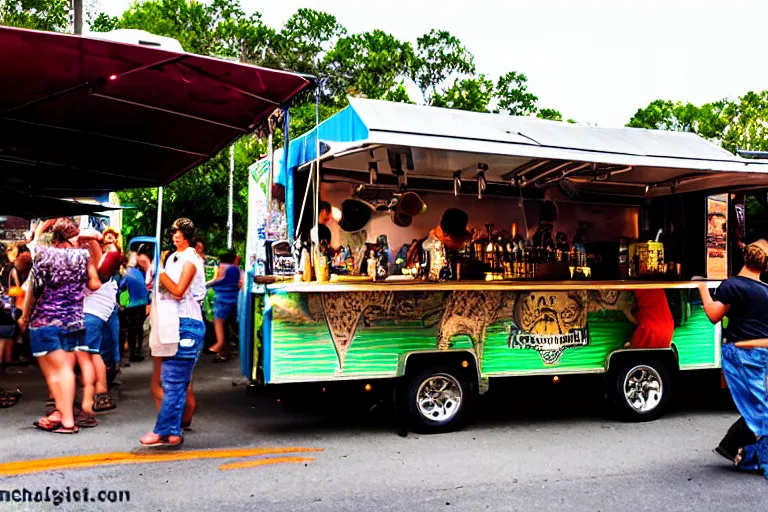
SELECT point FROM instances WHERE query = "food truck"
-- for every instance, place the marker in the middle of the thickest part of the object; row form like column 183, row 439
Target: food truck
column 438, row 250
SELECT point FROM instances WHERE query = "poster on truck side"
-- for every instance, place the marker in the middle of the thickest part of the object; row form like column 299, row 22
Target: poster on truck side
column 717, row 236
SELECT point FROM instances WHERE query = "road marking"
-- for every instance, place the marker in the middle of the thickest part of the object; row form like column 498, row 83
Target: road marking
column 264, row 462
column 139, row 457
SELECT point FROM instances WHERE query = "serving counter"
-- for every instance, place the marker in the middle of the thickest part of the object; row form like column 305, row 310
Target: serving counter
column 451, row 286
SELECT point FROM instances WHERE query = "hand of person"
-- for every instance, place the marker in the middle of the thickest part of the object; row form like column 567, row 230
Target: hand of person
column 149, row 309
column 23, row 322
column 702, row 286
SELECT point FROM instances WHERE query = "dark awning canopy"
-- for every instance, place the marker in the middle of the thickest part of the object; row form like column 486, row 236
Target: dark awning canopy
column 81, row 116
column 42, row 207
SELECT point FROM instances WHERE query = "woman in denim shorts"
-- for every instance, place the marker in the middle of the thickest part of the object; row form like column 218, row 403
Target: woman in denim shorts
column 53, row 312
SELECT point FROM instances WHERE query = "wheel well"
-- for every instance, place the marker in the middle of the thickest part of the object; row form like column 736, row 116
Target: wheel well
column 667, row 356
column 463, row 360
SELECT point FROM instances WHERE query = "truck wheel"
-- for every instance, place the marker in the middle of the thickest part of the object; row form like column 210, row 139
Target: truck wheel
column 639, row 389
column 436, row 400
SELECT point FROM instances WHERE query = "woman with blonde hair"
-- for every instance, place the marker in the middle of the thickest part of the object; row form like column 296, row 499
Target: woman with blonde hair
column 744, row 300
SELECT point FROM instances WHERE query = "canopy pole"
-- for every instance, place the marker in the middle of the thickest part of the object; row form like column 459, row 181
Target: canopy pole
column 317, row 157
column 289, row 185
column 231, row 195
column 159, row 228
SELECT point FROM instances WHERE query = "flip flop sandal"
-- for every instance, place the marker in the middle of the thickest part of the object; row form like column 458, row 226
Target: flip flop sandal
column 218, row 358
column 9, row 398
column 186, row 425
column 46, row 424
column 103, row 403
column 74, row 429
column 164, row 442
column 84, row 420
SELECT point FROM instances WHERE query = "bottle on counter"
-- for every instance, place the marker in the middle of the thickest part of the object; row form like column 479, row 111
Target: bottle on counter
column 372, row 262
column 623, row 258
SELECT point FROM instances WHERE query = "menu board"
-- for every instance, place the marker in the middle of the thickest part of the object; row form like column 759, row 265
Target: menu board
column 717, row 237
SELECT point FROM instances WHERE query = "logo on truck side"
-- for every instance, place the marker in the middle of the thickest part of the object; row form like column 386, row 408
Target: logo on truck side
column 550, row 322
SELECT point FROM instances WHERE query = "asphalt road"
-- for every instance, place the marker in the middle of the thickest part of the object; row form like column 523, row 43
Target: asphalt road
column 528, row 450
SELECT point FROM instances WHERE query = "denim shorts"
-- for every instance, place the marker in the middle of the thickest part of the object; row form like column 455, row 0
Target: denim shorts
column 223, row 310
column 94, row 333
column 44, row 340
column 7, row 332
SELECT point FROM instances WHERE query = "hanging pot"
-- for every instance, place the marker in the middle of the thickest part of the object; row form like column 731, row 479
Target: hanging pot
column 355, row 215
column 411, row 204
column 400, row 219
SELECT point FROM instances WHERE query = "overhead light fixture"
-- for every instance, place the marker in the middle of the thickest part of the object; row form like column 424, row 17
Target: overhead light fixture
column 456, row 183
column 482, row 183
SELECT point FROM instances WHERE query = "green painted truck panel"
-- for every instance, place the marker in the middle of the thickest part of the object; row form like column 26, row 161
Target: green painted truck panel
column 321, row 337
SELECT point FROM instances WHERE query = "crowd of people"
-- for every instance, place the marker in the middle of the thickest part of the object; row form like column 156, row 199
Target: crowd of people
column 73, row 301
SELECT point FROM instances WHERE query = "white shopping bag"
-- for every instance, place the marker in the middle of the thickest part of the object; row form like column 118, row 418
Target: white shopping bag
column 164, row 324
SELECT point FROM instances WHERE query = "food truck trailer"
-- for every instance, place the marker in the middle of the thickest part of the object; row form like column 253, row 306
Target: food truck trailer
column 463, row 247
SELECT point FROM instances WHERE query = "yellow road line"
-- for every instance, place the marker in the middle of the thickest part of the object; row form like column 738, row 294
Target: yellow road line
column 117, row 458
column 264, row 462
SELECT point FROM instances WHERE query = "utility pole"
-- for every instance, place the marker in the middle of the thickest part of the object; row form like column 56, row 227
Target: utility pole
column 77, row 6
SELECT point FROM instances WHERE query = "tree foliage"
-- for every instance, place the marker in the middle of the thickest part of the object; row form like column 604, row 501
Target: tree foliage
column 733, row 124
column 50, row 15
column 513, row 97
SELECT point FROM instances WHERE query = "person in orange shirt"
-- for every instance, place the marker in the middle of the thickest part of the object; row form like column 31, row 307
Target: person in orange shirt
column 655, row 323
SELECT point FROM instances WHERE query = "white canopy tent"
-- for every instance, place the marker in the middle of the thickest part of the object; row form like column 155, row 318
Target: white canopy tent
column 436, row 143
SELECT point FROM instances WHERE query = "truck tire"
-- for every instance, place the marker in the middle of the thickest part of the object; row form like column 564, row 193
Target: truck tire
column 437, row 399
column 639, row 389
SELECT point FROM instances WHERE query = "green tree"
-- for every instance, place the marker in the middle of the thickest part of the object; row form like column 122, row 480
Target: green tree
column 302, row 43
column 512, row 96
column 398, row 94
column 472, row 94
column 551, row 114
column 748, row 123
column 50, row 15
column 439, row 54
column 370, row 64
column 710, row 120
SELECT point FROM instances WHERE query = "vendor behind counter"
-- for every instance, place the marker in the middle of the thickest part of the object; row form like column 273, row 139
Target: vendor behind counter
column 450, row 234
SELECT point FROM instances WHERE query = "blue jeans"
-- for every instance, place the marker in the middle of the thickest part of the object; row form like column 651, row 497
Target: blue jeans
column 746, row 371
column 176, row 373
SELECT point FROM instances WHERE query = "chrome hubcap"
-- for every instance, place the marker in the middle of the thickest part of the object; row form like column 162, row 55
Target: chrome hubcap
column 643, row 388
column 439, row 397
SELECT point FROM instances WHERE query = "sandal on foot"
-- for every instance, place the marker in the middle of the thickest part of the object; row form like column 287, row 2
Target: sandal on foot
column 218, row 358
column 9, row 398
column 103, row 402
column 151, row 440
column 74, row 429
column 85, row 420
column 45, row 424
column 186, row 425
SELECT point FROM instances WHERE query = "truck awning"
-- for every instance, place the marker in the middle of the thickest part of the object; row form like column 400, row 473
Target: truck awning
column 81, row 115
column 436, row 143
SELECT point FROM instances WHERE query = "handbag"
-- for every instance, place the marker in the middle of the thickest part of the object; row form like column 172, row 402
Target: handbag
column 164, row 327
column 164, row 324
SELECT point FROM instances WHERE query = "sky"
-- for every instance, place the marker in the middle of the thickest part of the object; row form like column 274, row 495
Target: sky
column 596, row 61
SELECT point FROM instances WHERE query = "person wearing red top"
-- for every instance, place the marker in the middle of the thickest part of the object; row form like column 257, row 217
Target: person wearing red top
column 655, row 324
